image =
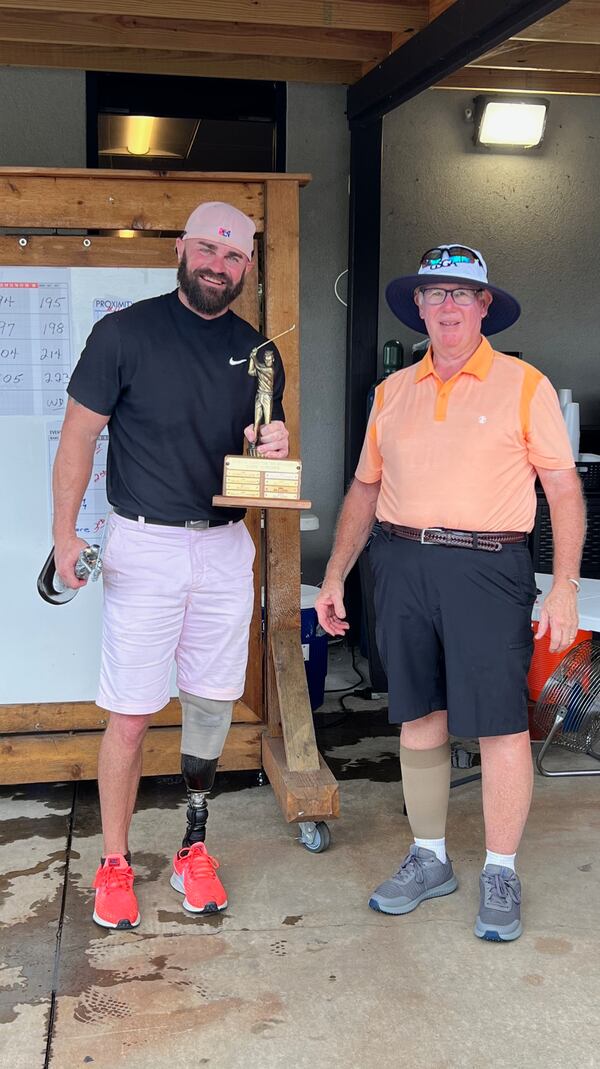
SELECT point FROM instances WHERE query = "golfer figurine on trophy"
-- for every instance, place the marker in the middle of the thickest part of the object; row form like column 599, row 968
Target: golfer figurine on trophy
column 252, row 479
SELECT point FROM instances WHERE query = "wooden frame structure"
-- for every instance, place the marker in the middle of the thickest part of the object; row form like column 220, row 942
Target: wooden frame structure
column 272, row 724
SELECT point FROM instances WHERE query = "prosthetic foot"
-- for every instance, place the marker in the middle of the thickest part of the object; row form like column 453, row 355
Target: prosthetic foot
column 194, row 870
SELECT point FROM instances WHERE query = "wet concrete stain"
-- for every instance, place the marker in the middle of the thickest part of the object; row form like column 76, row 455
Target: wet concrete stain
column 585, row 868
column 553, row 946
column 55, row 796
column 109, row 993
column 6, row 881
column 357, row 729
column 211, row 920
column 292, row 920
column 20, row 829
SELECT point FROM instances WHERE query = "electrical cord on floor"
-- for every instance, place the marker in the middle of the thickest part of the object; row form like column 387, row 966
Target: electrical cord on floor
column 361, row 679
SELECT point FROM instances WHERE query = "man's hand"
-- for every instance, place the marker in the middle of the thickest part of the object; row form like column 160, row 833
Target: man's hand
column 559, row 614
column 274, row 440
column 65, row 559
column 330, row 607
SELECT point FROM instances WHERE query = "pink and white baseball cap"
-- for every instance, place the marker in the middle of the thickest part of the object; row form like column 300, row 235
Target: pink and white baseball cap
column 220, row 222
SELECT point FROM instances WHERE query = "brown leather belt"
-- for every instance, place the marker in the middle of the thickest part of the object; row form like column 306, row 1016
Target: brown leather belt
column 489, row 541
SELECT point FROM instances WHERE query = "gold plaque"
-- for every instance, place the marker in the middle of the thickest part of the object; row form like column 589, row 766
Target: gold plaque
column 257, row 477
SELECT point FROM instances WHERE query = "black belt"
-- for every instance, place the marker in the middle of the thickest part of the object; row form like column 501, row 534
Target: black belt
column 489, row 541
column 193, row 525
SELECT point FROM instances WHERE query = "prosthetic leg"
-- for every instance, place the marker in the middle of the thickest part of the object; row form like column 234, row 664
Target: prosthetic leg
column 199, row 777
column 205, row 724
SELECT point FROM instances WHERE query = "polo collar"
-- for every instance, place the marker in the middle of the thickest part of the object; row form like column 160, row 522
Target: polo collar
column 478, row 364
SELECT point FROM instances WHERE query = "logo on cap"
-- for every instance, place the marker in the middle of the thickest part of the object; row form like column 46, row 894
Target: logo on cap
column 224, row 233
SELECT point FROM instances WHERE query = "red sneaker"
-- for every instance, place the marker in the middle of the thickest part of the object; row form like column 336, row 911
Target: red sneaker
column 116, row 905
column 195, row 877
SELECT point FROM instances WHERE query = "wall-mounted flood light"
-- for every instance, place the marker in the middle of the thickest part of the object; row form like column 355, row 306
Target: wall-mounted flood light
column 509, row 121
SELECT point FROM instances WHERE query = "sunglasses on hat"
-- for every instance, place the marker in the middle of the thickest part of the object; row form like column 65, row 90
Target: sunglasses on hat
column 450, row 254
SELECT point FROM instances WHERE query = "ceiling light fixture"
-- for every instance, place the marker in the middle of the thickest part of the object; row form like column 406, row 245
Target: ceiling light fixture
column 139, row 134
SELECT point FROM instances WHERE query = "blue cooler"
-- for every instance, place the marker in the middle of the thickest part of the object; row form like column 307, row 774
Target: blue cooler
column 314, row 646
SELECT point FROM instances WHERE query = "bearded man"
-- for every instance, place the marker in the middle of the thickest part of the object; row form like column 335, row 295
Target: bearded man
column 168, row 377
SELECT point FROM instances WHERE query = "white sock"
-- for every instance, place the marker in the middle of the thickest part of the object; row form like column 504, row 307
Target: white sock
column 437, row 845
column 507, row 861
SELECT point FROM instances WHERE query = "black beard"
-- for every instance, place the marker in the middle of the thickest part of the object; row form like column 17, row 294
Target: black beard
column 207, row 301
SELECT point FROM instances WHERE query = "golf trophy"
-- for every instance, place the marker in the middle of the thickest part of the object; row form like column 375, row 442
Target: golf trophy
column 252, row 480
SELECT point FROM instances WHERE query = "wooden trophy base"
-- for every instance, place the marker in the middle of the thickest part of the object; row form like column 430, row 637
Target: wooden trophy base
column 254, row 482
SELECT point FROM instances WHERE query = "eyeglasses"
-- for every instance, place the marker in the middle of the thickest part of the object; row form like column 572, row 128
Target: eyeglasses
column 459, row 296
column 451, row 254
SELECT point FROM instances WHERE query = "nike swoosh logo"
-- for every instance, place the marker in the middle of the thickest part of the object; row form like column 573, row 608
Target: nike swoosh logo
column 233, row 362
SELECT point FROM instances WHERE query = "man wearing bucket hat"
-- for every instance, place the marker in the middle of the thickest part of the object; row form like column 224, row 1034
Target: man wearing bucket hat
column 447, row 468
column 169, row 376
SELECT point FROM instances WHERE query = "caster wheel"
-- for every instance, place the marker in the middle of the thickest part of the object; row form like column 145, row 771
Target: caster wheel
column 315, row 837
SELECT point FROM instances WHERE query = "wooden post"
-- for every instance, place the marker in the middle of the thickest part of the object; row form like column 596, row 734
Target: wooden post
column 303, row 785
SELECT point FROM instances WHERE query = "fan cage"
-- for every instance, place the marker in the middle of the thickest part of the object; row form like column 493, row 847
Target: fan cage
column 573, row 691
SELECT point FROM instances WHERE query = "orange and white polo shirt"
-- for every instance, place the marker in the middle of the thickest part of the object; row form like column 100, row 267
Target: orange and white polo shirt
column 463, row 453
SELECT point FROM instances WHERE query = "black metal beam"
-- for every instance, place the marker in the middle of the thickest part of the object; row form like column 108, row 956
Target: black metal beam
column 363, row 282
column 462, row 33
column 363, row 311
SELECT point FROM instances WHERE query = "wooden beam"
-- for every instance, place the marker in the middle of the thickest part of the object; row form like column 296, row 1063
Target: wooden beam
column 86, row 716
column 387, row 16
column 52, row 758
column 301, row 795
column 48, row 250
column 282, row 526
column 481, row 79
column 576, row 22
column 542, row 56
column 78, row 200
column 188, row 64
column 436, row 7
column 190, row 35
column 294, row 702
column 196, row 177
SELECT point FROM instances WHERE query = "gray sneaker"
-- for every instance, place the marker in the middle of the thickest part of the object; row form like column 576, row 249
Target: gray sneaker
column 421, row 875
column 499, row 918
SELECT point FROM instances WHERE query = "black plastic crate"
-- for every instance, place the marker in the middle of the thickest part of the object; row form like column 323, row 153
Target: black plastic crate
column 541, row 539
column 589, row 474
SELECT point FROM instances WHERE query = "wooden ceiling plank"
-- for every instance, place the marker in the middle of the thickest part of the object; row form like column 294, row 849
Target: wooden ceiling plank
column 187, row 35
column 194, row 64
column 483, row 80
column 542, row 56
column 388, row 16
column 578, row 22
column 437, row 7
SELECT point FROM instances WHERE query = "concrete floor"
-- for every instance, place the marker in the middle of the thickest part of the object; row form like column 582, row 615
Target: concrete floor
column 298, row 972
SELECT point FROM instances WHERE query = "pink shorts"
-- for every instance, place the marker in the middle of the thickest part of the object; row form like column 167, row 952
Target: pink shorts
column 174, row 594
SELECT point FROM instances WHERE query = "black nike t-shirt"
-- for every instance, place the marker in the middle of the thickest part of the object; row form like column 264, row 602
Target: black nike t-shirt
column 178, row 393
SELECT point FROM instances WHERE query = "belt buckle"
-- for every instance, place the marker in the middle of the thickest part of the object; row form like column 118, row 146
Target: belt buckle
column 196, row 525
column 424, row 531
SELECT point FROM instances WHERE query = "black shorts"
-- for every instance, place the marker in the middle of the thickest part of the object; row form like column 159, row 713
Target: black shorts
column 454, row 632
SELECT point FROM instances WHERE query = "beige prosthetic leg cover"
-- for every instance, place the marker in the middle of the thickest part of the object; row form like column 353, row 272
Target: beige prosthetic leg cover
column 426, row 785
column 205, row 723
